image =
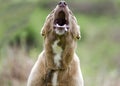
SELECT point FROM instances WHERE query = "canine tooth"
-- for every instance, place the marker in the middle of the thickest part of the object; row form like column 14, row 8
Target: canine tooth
column 65, row 29
column 58, row 25
column 64, row 26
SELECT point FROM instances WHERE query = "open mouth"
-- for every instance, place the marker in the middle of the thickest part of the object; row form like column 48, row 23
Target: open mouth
column 61, row 18
column 61, row 21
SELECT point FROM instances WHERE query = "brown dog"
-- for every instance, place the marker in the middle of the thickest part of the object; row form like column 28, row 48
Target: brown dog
column 58, row 64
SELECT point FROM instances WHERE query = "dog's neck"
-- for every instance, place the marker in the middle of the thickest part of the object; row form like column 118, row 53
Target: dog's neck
column 59, row 50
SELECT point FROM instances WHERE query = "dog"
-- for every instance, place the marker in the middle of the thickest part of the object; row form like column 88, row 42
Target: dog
column 58, row 64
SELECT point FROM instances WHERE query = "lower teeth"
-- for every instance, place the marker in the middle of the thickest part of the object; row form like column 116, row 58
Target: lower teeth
column 58, row 26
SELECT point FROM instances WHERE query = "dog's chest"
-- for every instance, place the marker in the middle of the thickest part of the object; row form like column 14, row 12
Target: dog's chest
column 57, row 50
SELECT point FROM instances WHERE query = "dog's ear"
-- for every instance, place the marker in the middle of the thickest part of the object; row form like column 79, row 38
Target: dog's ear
column 75, row 30
column 46, row 27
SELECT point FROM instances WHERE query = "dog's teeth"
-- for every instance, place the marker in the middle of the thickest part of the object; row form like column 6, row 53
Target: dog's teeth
column 64, row 26
column 65, row 29
column 57, row 25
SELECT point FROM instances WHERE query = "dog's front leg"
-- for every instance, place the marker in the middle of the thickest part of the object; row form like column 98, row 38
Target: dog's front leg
column 36, row 77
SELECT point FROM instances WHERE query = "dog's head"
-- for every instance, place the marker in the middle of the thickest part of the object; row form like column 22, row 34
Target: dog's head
column 61, row 21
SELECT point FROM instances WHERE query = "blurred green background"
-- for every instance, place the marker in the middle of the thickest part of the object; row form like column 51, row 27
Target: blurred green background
column 21, row 42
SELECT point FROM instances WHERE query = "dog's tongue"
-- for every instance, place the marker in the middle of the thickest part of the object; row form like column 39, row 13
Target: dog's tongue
column 63, row 27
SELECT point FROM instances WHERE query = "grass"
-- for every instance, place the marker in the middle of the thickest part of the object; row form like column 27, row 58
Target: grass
column 98, row 49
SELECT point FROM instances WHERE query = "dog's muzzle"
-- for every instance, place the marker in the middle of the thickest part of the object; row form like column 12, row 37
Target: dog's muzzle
column 62, row 3
column 61, row 22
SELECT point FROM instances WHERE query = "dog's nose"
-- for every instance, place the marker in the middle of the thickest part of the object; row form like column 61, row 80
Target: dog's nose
column 62, row 3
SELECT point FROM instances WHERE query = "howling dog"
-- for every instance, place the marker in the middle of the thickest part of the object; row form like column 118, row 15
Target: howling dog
column 58, row 64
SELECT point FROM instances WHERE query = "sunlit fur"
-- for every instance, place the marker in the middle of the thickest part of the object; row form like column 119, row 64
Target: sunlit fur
column 58, row 54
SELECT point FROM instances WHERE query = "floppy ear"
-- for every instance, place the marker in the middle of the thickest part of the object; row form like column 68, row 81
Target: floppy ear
column 75, row 30
column 46, row 27
column 77, row 33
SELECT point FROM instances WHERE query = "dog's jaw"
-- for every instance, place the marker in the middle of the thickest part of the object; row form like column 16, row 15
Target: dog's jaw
column 61, row 20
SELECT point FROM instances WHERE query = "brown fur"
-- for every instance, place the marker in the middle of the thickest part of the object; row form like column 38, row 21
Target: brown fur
column 69, row 73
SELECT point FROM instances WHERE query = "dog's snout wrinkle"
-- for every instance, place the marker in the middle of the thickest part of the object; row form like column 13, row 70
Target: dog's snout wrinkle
column 62, row 3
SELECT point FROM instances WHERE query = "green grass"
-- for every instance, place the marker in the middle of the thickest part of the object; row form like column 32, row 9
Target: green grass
column 97, row 49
